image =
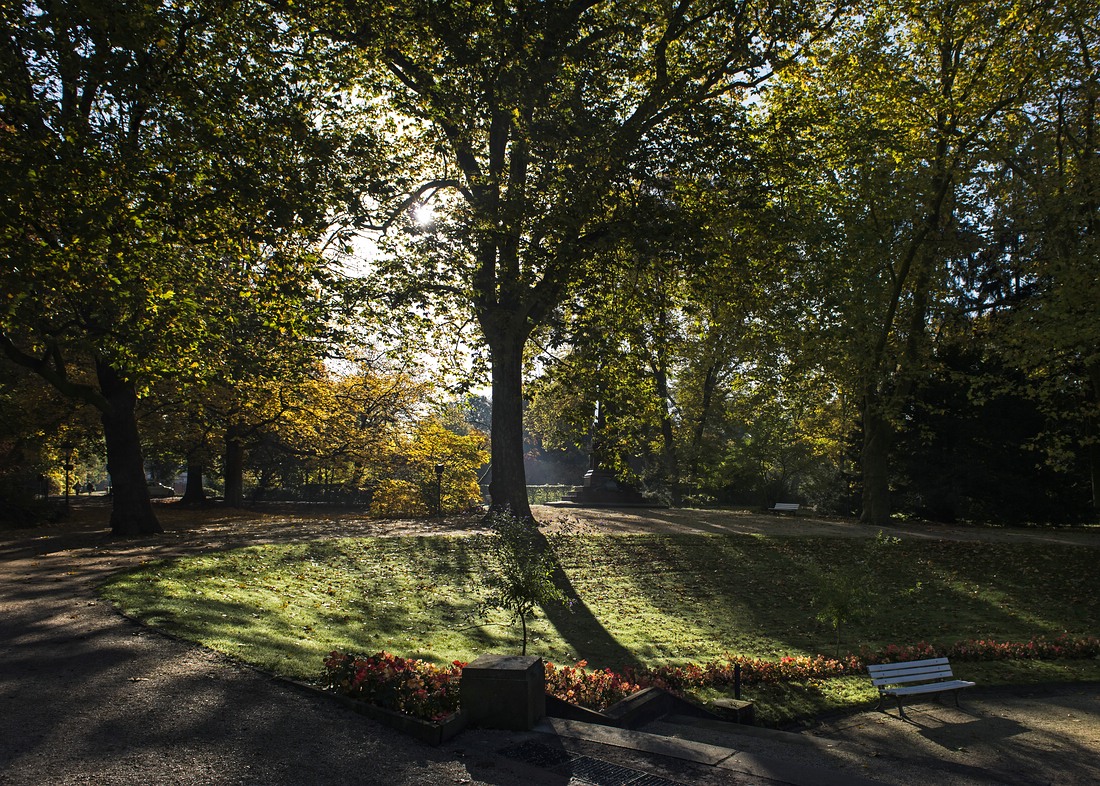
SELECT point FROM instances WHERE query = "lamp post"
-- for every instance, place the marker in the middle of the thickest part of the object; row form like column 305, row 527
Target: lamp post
column 439, row 489
column 68, row 448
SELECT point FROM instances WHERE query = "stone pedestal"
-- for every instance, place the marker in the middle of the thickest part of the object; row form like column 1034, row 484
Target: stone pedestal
column 734, row 710
column 600, row 487
column 504, row 692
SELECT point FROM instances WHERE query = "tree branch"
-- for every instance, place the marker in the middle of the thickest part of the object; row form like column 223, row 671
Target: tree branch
column 55, row 376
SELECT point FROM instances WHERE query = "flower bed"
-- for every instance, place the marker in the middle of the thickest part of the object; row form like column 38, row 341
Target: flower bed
column 596, row 690
column 805, row 667
column 423, row 690
column 406, row 685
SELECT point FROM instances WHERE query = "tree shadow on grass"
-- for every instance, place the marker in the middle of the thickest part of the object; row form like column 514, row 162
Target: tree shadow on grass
column 579, row 626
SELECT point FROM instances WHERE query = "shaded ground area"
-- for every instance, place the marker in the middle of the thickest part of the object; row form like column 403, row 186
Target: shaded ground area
column 999, row 736
column 1027, row 735
column 88, row 697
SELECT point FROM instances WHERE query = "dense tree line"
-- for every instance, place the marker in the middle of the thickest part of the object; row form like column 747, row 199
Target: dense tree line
column 845, row 254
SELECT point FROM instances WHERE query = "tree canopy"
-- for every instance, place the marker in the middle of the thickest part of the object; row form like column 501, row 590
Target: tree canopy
column 166, row 161
column 527, row 125
column 790, row 249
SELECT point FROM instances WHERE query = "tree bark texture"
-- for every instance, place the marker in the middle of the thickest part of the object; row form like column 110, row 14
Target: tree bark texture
column 234, row 468
column 194, row 494
column 710, row 384
column 875, row 465
column 508, row 488
column 131, row 511
column 669, row 457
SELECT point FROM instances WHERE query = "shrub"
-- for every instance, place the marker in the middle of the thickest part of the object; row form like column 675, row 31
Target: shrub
column 398, row 498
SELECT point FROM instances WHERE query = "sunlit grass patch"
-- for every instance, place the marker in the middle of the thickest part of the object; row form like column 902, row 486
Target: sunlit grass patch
column 285, row 607
column 643, row 599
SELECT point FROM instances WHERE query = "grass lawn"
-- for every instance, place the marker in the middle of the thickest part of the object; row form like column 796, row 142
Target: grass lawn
column 641, row 599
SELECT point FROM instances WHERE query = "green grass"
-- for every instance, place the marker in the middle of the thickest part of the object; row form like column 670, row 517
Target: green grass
column 641, row 599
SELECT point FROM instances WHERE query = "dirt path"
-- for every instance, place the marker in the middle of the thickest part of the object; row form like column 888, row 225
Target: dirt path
column 88, row 697
column 725, row 522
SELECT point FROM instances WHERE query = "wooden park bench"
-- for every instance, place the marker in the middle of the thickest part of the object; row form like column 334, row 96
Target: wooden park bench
column 785, row 507
column 914, row 678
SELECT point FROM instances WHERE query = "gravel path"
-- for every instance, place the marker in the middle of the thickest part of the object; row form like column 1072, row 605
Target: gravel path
column 89, row 697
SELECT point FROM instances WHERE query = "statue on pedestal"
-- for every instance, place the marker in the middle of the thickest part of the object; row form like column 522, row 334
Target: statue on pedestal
column 600, row 486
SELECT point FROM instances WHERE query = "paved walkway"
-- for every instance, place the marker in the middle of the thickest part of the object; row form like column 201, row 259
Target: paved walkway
column 88, row 697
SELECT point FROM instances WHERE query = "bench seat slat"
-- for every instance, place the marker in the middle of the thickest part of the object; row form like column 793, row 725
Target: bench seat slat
column 913, row 676
column 928, row 687
column 909, row 664
column 785, row 507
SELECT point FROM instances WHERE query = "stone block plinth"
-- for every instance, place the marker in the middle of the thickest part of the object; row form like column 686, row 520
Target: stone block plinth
column 734, row 710
column 504, row 692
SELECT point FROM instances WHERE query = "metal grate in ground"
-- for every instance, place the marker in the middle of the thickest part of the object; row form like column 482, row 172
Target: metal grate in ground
column 598, row 773
column 649, row 779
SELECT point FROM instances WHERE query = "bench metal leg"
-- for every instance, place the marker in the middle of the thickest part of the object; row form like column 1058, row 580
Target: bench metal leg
column 954, row 694
column 901, row 710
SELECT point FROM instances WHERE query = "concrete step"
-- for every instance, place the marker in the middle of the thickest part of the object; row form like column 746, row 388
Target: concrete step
column 792, row 759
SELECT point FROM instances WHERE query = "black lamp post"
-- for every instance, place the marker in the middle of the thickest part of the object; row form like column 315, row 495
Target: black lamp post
column 439, row 489
column 68, row 448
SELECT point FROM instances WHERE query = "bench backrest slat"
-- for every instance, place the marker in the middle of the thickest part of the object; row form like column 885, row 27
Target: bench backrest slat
column 911, row 671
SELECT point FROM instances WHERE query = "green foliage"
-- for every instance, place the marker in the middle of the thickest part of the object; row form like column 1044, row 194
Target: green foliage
column 521, row 567
column 974, row 447
column 159, row 188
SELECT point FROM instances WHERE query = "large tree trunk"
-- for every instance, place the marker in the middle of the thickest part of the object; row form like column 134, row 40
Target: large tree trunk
column 194, row 494
column 1094, row 446
column 131, row 511
column 234, row 468
column 710, row 384
column 875, row 465
column 669, row 458
column 508, row 488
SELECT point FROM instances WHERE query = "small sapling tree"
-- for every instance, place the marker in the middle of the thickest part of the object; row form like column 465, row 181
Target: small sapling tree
column 846, row 593
column 520, row 569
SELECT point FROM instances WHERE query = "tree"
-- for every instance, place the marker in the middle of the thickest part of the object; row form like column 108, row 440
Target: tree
column 429, row 469
column 850, row 592
column 898, row 110
column 154, row 150
column 39, row 433
column 679, row 339
column 530, row 119
column 1038, row 284
column 520, row 570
